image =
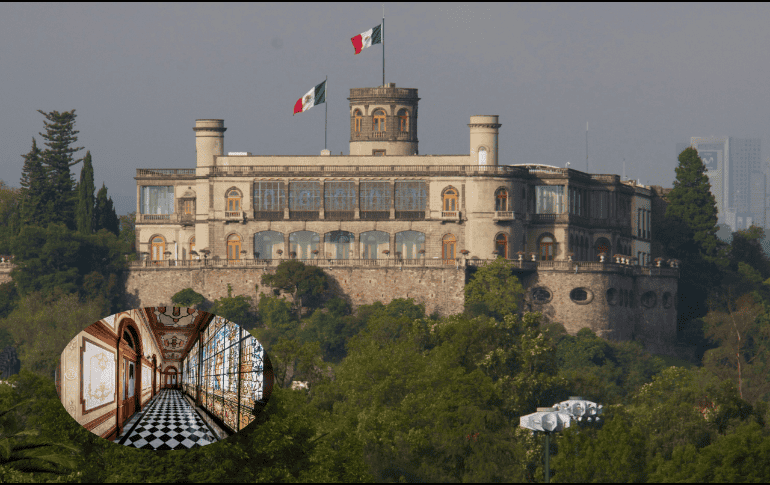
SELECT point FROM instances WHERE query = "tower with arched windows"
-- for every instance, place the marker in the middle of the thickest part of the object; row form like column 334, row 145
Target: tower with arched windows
column 383, row 121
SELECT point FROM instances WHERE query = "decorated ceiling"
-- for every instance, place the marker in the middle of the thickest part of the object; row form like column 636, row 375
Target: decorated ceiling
column 175, row 329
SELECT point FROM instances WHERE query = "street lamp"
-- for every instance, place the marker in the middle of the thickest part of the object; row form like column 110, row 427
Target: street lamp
column 558, row 417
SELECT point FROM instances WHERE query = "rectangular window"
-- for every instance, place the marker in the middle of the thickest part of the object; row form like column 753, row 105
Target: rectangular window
column 549, row 199
column 269, row 196
column 378, row 153
column 339, row 196
column 410, row 195
column 600, row 205
column 188, row 207
column 156, row 199
column 304, row 196
column 375, row 196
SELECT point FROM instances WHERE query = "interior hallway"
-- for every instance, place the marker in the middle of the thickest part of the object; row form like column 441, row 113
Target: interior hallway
column 168, row 423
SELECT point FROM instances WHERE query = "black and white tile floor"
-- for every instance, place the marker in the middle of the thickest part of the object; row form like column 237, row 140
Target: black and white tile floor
column 168, row 423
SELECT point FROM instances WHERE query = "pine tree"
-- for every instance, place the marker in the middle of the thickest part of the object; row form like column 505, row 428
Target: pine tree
column 104, row 213
column 85, row 209
column 59, row 136
column 692, row 202
column 37, row 198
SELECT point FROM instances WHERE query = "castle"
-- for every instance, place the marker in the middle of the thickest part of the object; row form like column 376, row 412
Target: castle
column 386, row 222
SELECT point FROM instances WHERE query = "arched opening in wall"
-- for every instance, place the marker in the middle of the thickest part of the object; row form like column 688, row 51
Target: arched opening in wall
column 448, row 248
column 482, row 156
column 667, row 300
column 501, row 200
column 410, row 244
column 581, row 296
column 603, row 246
column 378, row 122
column 403, row 120
column 612, row 296
column 267, row 244
column 357, row 121
column 192, row 248
column 338, row 244
column 130, row 371
column 304, row 244
column 373, row 243
column 233, row 248
column 501, row 245
column 450, row 199
column 158, row 248
column 233, row 201
column 649, row 299
column 547, row 248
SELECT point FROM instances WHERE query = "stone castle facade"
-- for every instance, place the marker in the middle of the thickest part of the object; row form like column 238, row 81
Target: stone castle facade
column 387, row 222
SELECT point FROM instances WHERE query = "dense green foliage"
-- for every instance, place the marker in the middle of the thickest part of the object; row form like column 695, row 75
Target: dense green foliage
column 305, row 284
column 84, row 215
column 493, row 290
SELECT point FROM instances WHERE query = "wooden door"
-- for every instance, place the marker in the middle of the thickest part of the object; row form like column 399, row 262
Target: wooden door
column 449, row 244
column 158, row 248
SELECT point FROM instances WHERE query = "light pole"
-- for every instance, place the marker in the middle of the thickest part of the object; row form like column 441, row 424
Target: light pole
column 558, row 417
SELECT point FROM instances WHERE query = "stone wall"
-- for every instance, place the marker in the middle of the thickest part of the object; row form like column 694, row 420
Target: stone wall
column 441, row 289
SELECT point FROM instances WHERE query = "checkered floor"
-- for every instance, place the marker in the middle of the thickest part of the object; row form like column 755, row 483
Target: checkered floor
column 168, row 423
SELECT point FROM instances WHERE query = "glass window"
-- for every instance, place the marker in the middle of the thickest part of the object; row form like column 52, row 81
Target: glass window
column 303, row 243
column 375, row 196
column 304, row 196
column 339, row 196
column 158, row 249
column 482, row 156
column 378, row 121
column 501, row 200
column 403, row 120
column 549, row 199
column 373, row 243
column 233, row 201
column 501, row 245
column 266, row 243
column 269, row 196
column 192, row 246
column 600, row 205
column 448, row 248
column 410, row 195
column 157, row 199
column 450, row 199
column 546, row 248
column 410, row 243
column 338, row 244
column 233, row 247
column 358, row 118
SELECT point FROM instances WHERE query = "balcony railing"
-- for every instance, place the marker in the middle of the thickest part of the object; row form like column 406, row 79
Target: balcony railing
column 503, row 216
column 378, row 134
column 233, row 215
column 155, row 217
column 450, row 215
column 163, row 172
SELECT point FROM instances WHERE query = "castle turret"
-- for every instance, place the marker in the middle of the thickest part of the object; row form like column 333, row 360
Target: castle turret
column 484, row 139
column 209, row 141
column 383, row 121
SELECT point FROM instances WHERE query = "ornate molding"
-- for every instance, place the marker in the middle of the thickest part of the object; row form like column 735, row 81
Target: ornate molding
column 96, row 422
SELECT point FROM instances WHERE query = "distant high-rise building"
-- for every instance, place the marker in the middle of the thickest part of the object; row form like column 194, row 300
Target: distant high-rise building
column 735, row 171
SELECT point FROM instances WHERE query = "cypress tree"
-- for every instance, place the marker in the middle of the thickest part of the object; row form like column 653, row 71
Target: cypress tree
column 37, row 198
column 59, row 136
column 104, row 213
column 85, row 210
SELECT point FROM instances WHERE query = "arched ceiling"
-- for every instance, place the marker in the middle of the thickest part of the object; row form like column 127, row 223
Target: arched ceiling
column 175, row 329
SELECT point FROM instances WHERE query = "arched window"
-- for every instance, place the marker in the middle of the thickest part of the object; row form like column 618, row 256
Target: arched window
column 547, row 245
column 450, row 199
column 338, row 244
column 233, row 247
column 233, row 201
column 410, row 243
column 403, row 120
column 373, row 243
column 482, row 156
column 501, row 200
column 266, row 244
column 378, row 121
column 448, row 248
column 128, row 339
column 603, row 246
column 192, row 246
column 158, row 247
column 303, row 243
column 501, row 245
column 357, row 121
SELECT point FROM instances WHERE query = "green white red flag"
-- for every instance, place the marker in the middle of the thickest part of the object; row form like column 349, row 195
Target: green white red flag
column 367, row 39
column 315, row 96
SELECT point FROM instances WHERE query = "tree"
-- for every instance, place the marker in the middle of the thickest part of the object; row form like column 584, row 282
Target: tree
column 59, row 136
column 305, row 284
column 128, row 232
column 10, row 201
column 37, row 195
column 235, row 309
column 104, row 213
column 495, row 287
column 85, row 208
column 188, row 298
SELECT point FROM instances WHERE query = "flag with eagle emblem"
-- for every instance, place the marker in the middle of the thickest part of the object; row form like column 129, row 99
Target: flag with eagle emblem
column 368, row 38
column 315, row 96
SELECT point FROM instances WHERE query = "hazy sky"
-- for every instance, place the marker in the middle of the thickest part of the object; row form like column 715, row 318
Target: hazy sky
column 645, row 77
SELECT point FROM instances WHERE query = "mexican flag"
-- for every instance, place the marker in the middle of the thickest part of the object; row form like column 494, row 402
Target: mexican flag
column 315, row 96
column 368, row 38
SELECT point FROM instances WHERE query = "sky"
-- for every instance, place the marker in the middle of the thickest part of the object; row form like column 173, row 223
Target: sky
column 643, row 76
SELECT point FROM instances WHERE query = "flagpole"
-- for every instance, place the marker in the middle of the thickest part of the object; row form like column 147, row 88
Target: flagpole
column 383, row 45
column 326, row 102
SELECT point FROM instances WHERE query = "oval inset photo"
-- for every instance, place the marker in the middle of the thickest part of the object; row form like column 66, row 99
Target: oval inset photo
column 164, row 378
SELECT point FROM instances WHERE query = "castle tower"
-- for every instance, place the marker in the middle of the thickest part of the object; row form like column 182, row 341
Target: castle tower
column 209, row 141
column 383, row 121
column 484, row 139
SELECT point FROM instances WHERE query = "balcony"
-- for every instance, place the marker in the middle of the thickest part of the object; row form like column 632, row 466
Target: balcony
column 235, row 216
column 163, row 218
column 501, row 216
column 452, row 216
column 378, row 134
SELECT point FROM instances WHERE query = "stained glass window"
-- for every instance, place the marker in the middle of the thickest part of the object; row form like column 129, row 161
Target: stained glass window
column 157, row 199
column 269, row 196
column 339, row 196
